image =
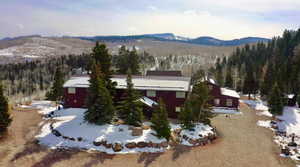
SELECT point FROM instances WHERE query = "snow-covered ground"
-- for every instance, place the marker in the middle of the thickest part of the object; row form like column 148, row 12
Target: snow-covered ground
column 286, row 127
column 217, row 110
column 259, row 105
column 200, row 131
column 44, row 107
column 70, row 122
column 76, row 133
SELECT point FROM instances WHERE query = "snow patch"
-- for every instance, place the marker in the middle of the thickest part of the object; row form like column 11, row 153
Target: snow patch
column 265, row 124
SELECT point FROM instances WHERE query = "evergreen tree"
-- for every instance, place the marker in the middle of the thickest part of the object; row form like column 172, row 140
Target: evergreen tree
column 100, row 104
column 5, row 119
column 128, row 60
column 160, row 122
column 219, row 73
column 200, row 98
column 104, row 59
column 229, row 79
column 130, row 109
column 57, row 91
column 268, row 80
column 186, row 116
column 275, row 100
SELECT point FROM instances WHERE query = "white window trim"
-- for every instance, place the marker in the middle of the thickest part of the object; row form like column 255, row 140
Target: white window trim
column 229, row 102
column 151, row 93
column 217, row 100
column 71, row 90
column 180, row 95
column 177, row 109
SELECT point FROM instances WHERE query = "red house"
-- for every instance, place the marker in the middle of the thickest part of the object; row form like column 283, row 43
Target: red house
column 172, row 89
column 223, row 97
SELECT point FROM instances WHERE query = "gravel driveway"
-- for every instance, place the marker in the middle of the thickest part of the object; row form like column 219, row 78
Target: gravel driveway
column 242, row 144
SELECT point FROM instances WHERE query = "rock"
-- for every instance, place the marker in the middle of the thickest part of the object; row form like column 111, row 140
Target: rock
column 99, row 143
column 79, row 138
column 193, row 142
column 137, row 131
column 65, row 137
column 145, row 127
column 285, row 151
column 130, row 145
column 121, row 130
column 56, row 133
column 156, row 145
column 107, row 145
column 165, row 144
column 117, row 147
column 292, row 144
column 72, row 138
column 141, row 144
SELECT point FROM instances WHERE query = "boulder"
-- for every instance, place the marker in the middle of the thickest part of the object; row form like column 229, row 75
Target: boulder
column 145, row 127
column 117, row 147
column 156, row 145
column 56, row 133
column 292, row 144
column 107, row 145
column 141, row 144
column 96, row 143
column 137, row 131
column 99, row 143
column 130, row 145
column 79, row 138
column 193, row 142
column 165, row 144
column 285, row 151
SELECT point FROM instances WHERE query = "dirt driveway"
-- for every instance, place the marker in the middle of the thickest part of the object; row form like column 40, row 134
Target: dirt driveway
column 242, row 144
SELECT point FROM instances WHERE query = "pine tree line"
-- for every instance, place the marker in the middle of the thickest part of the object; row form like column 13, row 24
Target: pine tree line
column 264, row 68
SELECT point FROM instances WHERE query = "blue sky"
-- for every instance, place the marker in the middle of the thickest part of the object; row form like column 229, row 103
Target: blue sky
column 225, row 19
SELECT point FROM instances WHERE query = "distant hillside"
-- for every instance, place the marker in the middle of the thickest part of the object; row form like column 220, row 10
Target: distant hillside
column 210, row 41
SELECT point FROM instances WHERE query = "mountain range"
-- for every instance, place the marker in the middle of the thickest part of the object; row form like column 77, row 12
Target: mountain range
column 205, row 40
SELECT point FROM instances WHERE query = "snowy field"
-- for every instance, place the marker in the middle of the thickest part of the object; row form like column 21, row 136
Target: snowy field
column 76, row 133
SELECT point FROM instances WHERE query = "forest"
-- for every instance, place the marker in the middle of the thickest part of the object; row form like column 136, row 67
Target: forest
column 257, row 68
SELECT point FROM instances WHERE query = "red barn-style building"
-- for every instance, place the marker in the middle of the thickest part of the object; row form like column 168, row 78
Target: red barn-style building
column 223, row 97
column 172, row 89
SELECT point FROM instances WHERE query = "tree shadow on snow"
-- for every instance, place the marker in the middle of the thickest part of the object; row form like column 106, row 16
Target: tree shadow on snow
column 179, row 150
column 148, row 158
column 98, row 158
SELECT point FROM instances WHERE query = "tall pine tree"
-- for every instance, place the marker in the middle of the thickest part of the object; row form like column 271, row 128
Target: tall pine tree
column 160, row 122
column 104, row 59
column 229, row 79
column 130, row 109
column 200, row 98
column 186, row 116
column 275, row 100
column 5, row 119
column 57, row 91
column 99, row 101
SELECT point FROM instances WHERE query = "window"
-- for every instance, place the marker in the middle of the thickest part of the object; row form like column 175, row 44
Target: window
column 72, row 90
column 229, row 102
column 180, row 94
column 151, row 93
column 217, row 102
column 177, row 109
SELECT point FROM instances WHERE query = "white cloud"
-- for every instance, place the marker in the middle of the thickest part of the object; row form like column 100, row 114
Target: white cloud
column 20, row 26
column 151, row 7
